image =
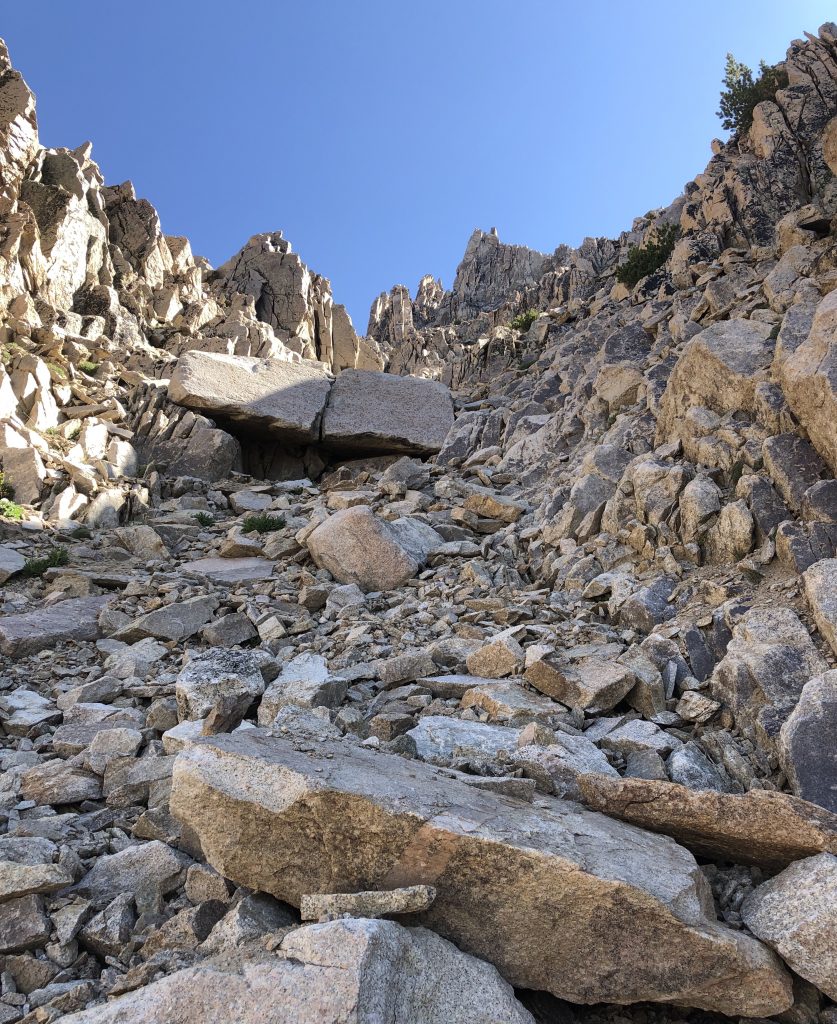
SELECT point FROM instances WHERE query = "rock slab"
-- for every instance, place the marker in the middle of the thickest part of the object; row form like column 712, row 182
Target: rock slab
column 558, row 898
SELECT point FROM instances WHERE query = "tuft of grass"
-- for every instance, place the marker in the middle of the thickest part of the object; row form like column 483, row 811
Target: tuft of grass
column 523, row 321
column 644, row 260
column 6, row 489
column 58, row 371
column 262, row 522
column 10, row 510
column 205, row 519
column 38, row 566
column 88, row 366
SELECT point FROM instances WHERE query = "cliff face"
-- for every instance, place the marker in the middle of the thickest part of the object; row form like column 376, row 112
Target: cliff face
column 530, row 637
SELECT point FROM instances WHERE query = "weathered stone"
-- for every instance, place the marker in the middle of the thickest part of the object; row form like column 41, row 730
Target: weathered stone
column 762, row 827
column 60, row 782
column 281, row 398
column 505, row 700
column 108, row 931
column 648, row 606
column 442, row 739
column 176, row 621
column 808, row 378
column 719, row 369
column 21, row 879
column 30, row 632
column 768, row 660
column 587, row 683
column 356, row 546
column 794, row 467
column 385, row 412
column 305, row 682
column 254, row 800
column 23, row 924
column 808, row 755
column 558, row 767
column 796, row 913
column 231, row 570
column 215, row 674
column 11, row 562
column 149, row 871
column 821, row 591
column 412, row 899
column 356, row 971
column 501, row 656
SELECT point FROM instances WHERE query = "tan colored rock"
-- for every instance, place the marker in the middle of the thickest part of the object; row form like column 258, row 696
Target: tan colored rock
column 796, row 913
column 495, row 506
column 356, row 546
column 502, row 656
column 719, row 369
column 809, row 378
column 762, row 827
column 556, row 897
column 829, row 145
column 820, row 583
column 505, row 700
column 282, row 398
column 586, row 683
column 411, row 899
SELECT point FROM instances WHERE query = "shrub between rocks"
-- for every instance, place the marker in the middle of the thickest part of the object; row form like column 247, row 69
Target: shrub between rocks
column 743, row 92
column 644, row 260
column 261, row 522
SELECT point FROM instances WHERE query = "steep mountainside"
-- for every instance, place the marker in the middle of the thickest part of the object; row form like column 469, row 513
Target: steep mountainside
column 505, row 657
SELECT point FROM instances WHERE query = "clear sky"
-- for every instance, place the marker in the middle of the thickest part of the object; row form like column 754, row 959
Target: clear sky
column 377, row 135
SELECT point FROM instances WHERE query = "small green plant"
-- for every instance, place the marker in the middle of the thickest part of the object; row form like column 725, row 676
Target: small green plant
column 88, row 366
column 523, row 321
column 205, row 519
column 10, row 510
column 743, row 92
column 645, row 259
column 57, row 371
column 262, row 522
column 6, row 489
column 38, row 566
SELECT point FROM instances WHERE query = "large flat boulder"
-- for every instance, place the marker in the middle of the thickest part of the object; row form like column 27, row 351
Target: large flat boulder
column 558, row 898
column 280, row 398
column 761, row 827
column 383, row 412
column 29, row 632
column 353, row 971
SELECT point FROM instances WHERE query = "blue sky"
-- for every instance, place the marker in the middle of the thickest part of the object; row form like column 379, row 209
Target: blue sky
column 377, row 135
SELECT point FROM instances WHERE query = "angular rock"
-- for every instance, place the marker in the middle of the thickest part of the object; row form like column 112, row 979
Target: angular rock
column 821, row 591
column 23, row 924
column 355, row 972
column 796, row 913
column 356, row 546
column 501, row 656
column 11, row 562
column 214, row 674
column 280, row 398
column 442, row 739
column 148, row 870
column 176, row 621
column 762, row 827
column 22, row 879
column 806, row 747
column 370, row 411
column 587, row 683
column 410, row 900
column 231, row 570
column 305, row 682
column 559, row 899
column 30, row 632
column 559, row 767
